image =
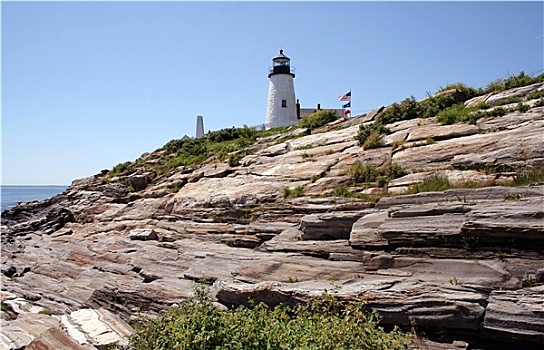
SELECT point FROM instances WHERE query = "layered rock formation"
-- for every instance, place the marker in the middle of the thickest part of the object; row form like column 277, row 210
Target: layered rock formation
column 463, row 265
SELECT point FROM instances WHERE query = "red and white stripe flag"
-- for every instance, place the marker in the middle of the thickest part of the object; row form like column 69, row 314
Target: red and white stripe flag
column 345, row 97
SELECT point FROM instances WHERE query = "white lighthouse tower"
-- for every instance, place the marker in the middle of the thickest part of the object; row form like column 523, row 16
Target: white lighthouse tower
column 281, row 108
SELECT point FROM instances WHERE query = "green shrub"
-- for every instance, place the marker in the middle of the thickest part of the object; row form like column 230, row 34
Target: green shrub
column 324, row 323
column 468, row 91
column 535, row 94
column 405, row 110
column 6, row 307
column 522, row 107
column 513, row 81
column 373, row 132
column 342, row 191
column 234, row 160
column 455, row 114
column 529, row 176
column 317, row 119
column 120, row 168
column 393, row 171
column 374, row 140
column 360, row 173
column 509, row 100
column 363, row 173
column 434, row 183
column 431, row 106
column 397, row 144
column 295, row 192
column 460, row 114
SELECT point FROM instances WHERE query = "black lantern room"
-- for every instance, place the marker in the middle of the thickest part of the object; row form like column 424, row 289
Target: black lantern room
column 281, row 65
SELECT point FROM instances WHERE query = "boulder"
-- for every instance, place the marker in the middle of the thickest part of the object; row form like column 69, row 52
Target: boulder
column 138, row 182
column 146, row 234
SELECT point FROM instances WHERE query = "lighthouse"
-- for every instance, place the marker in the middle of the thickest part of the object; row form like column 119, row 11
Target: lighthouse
column 281, row 108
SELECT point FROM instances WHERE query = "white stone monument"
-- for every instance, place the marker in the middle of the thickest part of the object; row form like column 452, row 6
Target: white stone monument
column 199, row 126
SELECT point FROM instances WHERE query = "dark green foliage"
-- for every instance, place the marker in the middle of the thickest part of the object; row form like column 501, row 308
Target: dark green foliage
column 522, row 107
column 513, row 81
column 533, row 95
column 228, row 144
column 6, row 307
column 540, row 102
column 461, row 114
column 434, row 183
column 405, row 110
column 509, row 100
column 324, row 323
column 393, row 171
column 295, row 192
column 371, row 132
column 120, row 168
column 529, row 176
column 468, row 91
column 455, row 114
column 432, row 106
column 342, row 191
column 234, row 160
column 231, row 134
column 374, row 140
column 409, row 108
column 360, row 173
column 363, row 173
column 317, row 119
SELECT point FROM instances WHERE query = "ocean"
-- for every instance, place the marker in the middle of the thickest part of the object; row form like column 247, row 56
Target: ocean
column 11, row 195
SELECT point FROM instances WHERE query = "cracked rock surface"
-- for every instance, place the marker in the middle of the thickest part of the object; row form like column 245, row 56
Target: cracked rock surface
column 462, row 265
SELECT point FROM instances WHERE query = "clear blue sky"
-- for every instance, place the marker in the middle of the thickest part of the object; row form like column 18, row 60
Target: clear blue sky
column 88, row 85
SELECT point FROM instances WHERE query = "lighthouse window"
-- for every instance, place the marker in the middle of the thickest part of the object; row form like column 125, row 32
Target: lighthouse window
column 283, row 103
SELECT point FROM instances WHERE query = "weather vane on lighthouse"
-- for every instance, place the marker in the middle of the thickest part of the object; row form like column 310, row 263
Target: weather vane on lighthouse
column 281, row 108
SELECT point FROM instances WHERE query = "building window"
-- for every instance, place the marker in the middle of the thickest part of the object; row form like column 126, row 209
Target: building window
column 283, row 103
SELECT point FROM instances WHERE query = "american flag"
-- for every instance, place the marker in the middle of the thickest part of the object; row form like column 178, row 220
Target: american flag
column 345, row 97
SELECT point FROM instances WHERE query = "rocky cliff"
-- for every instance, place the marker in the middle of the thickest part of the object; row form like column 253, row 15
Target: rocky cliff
column 291, row 220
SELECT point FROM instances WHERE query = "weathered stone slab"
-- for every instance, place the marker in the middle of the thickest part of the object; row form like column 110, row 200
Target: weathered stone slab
column 521, row 91
column 96, row 327
column 143, row 235
column 501, row 147
column 516, row 315
column 519, row 223
column 35, row 331
column 329, row 226
column 364, row 232
column 441, row 132
column 421, row 231
column 397, row 302
column 242, row 241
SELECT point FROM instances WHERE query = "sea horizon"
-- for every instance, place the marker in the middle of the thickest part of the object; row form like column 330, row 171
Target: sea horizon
column 13, row 194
